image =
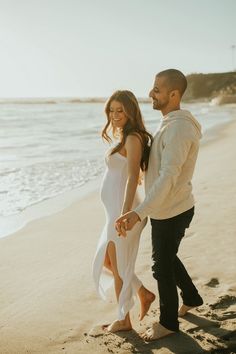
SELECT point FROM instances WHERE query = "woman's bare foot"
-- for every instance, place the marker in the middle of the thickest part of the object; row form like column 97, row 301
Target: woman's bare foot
column 118, row 326
column 184, row 309
column 157, row 331
column 146, row 297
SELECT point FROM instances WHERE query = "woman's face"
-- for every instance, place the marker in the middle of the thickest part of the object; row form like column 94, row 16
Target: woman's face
column 117, row 115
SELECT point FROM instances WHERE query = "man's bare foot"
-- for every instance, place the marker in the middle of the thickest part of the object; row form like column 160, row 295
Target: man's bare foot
column 146, row 298
column 157, row 331
column 184, row 309
column 118, row 326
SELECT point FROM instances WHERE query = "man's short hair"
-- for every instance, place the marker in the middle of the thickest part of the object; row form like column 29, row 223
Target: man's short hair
column 175, row 80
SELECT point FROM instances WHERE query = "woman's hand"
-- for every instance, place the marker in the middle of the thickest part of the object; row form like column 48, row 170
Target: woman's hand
column 126, row 222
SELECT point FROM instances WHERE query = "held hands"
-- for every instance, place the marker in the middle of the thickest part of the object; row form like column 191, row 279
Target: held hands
column 126, row 222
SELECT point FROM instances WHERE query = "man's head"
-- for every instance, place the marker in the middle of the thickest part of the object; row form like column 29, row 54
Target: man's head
column 168, row 89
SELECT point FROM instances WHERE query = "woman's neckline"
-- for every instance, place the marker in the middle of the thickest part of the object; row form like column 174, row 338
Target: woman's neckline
column 118, row 153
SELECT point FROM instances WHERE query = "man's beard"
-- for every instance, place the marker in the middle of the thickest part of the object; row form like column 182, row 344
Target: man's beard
column 159, row 105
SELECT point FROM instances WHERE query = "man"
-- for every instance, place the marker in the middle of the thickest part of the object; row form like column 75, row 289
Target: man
column 169, row 202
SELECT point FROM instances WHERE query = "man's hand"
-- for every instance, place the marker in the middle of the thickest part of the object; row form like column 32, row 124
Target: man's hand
column 126, row 222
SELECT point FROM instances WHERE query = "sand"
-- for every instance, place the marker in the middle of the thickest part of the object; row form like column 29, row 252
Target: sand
column 48, row 302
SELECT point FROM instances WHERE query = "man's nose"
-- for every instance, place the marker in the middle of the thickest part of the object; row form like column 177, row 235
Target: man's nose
column 150, row 93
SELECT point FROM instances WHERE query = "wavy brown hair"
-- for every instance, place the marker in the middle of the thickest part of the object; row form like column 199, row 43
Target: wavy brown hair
column 134, row 125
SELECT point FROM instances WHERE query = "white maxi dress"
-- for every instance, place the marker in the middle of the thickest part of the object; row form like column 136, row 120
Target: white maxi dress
column 112, row 196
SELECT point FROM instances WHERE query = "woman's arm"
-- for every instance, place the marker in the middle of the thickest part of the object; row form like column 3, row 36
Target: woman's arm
column 133, row 148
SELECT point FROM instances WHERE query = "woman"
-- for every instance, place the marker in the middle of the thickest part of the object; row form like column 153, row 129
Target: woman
column 115, row 256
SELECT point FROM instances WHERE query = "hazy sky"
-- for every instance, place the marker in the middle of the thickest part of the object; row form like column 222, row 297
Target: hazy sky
column 92, row 47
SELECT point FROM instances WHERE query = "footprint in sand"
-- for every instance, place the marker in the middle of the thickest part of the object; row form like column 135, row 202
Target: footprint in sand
column 227, row 315
column 213, row 283
column 96, row 331
column 224, row 302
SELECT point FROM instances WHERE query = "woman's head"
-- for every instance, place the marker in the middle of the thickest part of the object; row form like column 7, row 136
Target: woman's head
column 123, row 112
column 123, row 118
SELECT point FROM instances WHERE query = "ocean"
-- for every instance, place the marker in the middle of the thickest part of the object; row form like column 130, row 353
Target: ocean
column 47, row 150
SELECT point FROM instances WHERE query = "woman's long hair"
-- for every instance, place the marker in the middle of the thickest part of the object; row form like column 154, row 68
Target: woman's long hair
column 134, row 125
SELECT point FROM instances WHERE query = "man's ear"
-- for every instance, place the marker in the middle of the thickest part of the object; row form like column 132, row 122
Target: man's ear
column 174, row 93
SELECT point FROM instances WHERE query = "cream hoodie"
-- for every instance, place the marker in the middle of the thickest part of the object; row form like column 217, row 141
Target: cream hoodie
column 172, row 160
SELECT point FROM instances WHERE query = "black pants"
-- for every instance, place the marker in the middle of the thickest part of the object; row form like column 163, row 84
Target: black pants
column 169, row 271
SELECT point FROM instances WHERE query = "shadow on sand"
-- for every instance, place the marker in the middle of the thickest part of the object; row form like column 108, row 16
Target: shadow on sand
column 222, row 340
column 179, row 343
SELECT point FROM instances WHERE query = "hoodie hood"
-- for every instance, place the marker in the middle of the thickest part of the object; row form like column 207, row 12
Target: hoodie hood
column 183, row 114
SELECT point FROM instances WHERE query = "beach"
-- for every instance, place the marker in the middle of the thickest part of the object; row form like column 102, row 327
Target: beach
column 48, row 299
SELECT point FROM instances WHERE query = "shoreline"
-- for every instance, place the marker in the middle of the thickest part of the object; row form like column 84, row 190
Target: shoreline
column 13, row 223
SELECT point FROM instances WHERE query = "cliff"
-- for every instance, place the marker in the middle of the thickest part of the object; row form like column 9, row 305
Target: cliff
column 209, row 86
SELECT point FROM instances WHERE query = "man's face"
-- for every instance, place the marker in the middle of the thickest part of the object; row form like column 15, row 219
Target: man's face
column 160, row 94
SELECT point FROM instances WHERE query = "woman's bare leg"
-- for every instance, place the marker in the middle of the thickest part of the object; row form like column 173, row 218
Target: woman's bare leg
column 111, row 264
column 146, row 297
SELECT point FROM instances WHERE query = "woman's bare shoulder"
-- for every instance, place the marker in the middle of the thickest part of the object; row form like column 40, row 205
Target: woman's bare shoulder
column 135, row 138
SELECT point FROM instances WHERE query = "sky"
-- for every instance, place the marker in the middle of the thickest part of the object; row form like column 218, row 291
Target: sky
column 87, row 48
